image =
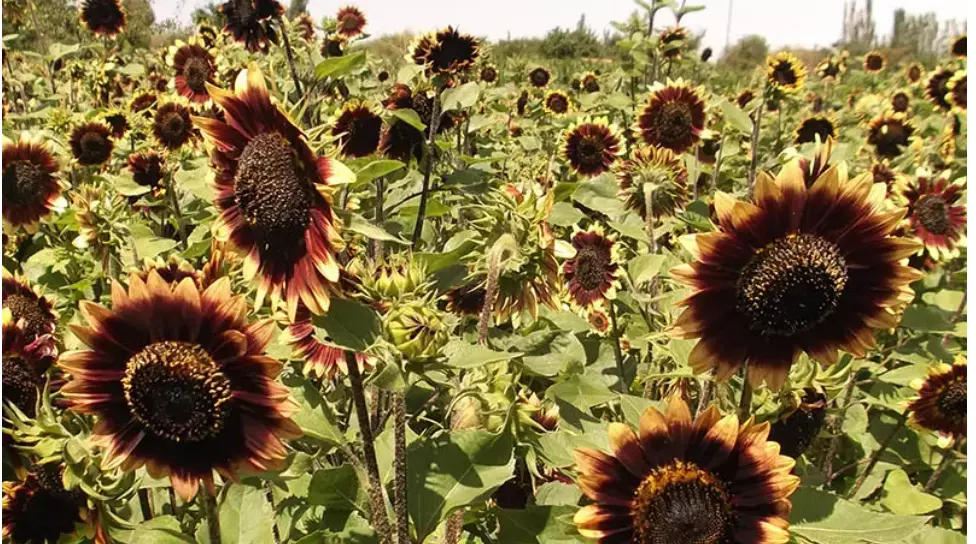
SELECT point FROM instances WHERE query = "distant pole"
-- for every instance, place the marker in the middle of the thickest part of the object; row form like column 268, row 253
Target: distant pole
column 728, row 27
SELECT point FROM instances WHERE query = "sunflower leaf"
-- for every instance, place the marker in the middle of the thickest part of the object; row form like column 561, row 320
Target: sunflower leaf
column 457, row 98
column 159, row 530
column 410, row 117
column 338, row 66
column 736, row 117
column 823, row 518
column 350, row 325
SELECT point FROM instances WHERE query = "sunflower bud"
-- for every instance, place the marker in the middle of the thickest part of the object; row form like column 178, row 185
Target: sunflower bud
column 417, row 330
column 398, row 277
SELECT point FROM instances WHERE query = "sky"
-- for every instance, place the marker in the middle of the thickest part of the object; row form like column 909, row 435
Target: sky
column 783, row 22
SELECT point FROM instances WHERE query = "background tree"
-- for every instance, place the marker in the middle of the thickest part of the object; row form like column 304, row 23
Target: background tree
column 747, row 53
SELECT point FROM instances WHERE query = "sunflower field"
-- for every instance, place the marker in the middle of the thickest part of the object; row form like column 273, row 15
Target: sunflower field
column 268, row 283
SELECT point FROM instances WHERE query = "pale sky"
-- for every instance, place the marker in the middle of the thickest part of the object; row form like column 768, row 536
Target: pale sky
column 805, row 23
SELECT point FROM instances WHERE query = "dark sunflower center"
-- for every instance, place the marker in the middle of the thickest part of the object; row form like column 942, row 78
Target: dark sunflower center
column 94, row 147
column 488, row 75
column 812, row 128
column 592, row 264
column 784, row 74
column 539, row 78
column 681, row 504
column 900, row 102
column 196, row 71
column 874, row 62
column 591, row 85
column 558, row 103
column 349, row 22
column 590, row 150
column 20, row 384
column 792, row 285
column 451, row 51
column 952, row 401
column 44, row 516
column 176, row 390
column 274, row 195
column 173, row 126
column 832, row 69
column 933, row 213
column 22, row 182
column 26, row 308
column 675, row 121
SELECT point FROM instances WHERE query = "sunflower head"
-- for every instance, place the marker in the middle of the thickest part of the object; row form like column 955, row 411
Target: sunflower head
column 91, row 143
column 814, row 128
column 102, row 17
column 468, row 298
column 397, row 278
column 957, row 91
column 592, row 275
column 148, row 169
column 673, row 117
column 958, row 47
column 323, row 358
column 937, row 87
column 252, row 22
column 672, row 42
column 173, row 270
column 31, row 183
column 417, row 330
column 889, row 133
column 31, row 311
column 900, row 101
column 488, row 74
column 172, row 126
column 117, row 123
column 143, row 103
column 940, row 403
column 557, row 103
column 590, row 83
column 306, row 27
column 332, row 46
column 207, row 34
column 785, row 73
column 350, row 22
column 935, row 215
column 799, row 425
column 709, row 480
column 914, row 72
column 39, row 509
column 658, row 170
column 194, row 67
column 356, row 129
column 874, row 62
column 24, row 362
column 599, row 320
column 539, row 77
column 831, row 68
column 446, row 52
column 592, row 146
column 744, row 98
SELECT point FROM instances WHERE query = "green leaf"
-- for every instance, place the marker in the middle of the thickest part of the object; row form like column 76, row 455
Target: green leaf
column 736, row 117
column 557, row 494
column 530, row 143
column 195, row 181
column 411, row 118
column 337, row 488
column 350, row 324
column 564, row 350
column 599, row 194
column 246, row 516
column 538, row 525
column 377, row 169
column 457, row 98
column 464, row 355
column 901, row 496
column 824, row 518
column 314, row 416
column 338, row 66
column 925, row 318
column 565, row 215
column 455, row 470
column 580, row 392
column 160, row 530
column 644, row 268
column 148, row 245
column 439, row 261
column 935, row 535
column 361, row 225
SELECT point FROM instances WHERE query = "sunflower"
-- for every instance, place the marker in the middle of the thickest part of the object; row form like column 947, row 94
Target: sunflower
column 957, row 91
column 194, row 67
column 522, row 102
column 468, row 298
column 900, row 101
column 831, row 68
column 796, row 429
column 350, row 22
column 940, row 403
column 172, row 271
column 332, row 46
column 592, row 275
column 91, row 144
column 274, row 198
column 171, row 125
column 889, row 133
column 400, row 141
column 557, row 103
column 356, row 130
column 102, row 17
column 321, row 357
column 31, row 184
column 894, row 181
column 177, row 381
column 672, row 41
column 117, row 123
column 744, row 98
column 148, row 169
column 251, row 22
column 539, row 77
column 24, row 364
column 305, row 26
column 798, row 269
column 785, row 73
column 143, row 103
column 446, row 51
column 30, row 310
column 207, row 34
column 673, row 117
column 935, row 216
column 914, row 72
column 666, row 174
column 590, row 83
column 592, row 146
column 40, row 510
column 814, row 127
column 599, row 320
column 958, row 48
column 937, row 87
column 676, row 480
column 874, row 62
column 488, row 74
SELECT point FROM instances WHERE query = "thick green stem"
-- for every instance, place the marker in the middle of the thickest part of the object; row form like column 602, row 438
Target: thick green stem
column 435, row 117
column 145, row 504
column 754, row 163
column 617, row 354
column 400, row 503
column 208, row 503
column 291, row 60
column 745, row 401
column 707, row 391
column 174, row 200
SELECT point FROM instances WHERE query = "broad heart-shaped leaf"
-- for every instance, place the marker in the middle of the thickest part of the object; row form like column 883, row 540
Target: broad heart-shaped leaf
column 580, row 392
column 411, row 118
column 246, row 516
column 736, row 117
column 455, row 470
column 338, row 66
column 457, row 98
column 901, row 496
column 376, row 169
column 600, row 194
column 463, row 355
column 538, row 525
column 337, row 488
column 350, row 324
column 314, row 417
column 925, row 318
column 159, row 530
column 823, row 518
column 146, row 244
column 643, row 268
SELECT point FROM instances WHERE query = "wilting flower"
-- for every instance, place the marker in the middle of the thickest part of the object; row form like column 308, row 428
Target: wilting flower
column 592, row 275
column 958, row 48
column 148, row 169
column 785, row 73
column 102, row 17
column 31, row 184
column 177, row 381
column 673, row 117
column 663, row 173
column 539, row 77
column 889, row 133
column 194, row 67
column 322, row 357
column 250, row 22
column 592, row 146
column 350, row 22
column 814, row 127
column 935, row 216
column 937, row 87
column 590, row 83
column 142, row 103
column 91, row 144
column 488, row 74
column 557, row 103
column 467, row 299
column 677, row 480
column 744, row 98
column 117, row 123
column 40, row 510
column 874, row 62
column 273, row 196
column 957, row 91
column 798, row 269
column 795, row 430
column 900, row 101
column 831, row 68
column 672, row 41
column 356, row 129
column 446, row 51
column 306, row 27
column 940, row 403
column 172, row 126
column 914, row 72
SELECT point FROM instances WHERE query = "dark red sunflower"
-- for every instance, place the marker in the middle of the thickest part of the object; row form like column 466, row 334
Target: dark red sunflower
column 148, row 169
column 889, row 133
column 207, row 34
column 252, row 22
column 39, row 510
column 31, row 311
column 468, row 299
column 599, row 320
column 488, row 74
column 798, row 269
column 322, row 357
column 958, row 47
column 356, row 130
column 539, row 77
column 31, row 184
column 446, row 51
column 660, row 168
column 557, row 103
column 682, row 481
column 400, row 140
column 935, row 216
column 306, row 27
column 177, row 381
column 744, row 98
column 102, row 17
column 796, row 428
column 672, row 41
column 173, row 270
column 592, row 274
column 900, row 101
column 831, row 68
column 332, row 46
column 172, row 126
column 24, row 364
column 117, row 122
column 940, row 403
column 350, row 22
column 894, row 181
column 522, row 102
column 937, row 87
column 874, row 62
column 914, row 72
column 957, row 91
column 590, row 83
column 274, row 197
column 785, row 73
column 673, row 117
column 814, row 127
column 91, row 143
column 193, row 68
column 592, row 146
column 143, row 103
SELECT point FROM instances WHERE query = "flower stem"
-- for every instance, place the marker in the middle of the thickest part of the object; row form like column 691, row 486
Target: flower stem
column 175, row 204
column 902, row 419
column 291, row 60
column 400, row 467
column 754, row 163
column 269, row 494
column 208, row 503
column 745, row 401
column 381, row 521
column 955, row 318
column 145, row 504
column 617, row 354
column 649, row 217
column 828, row 468
column 435, row 117
column 378, row 244
column 948, row 456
